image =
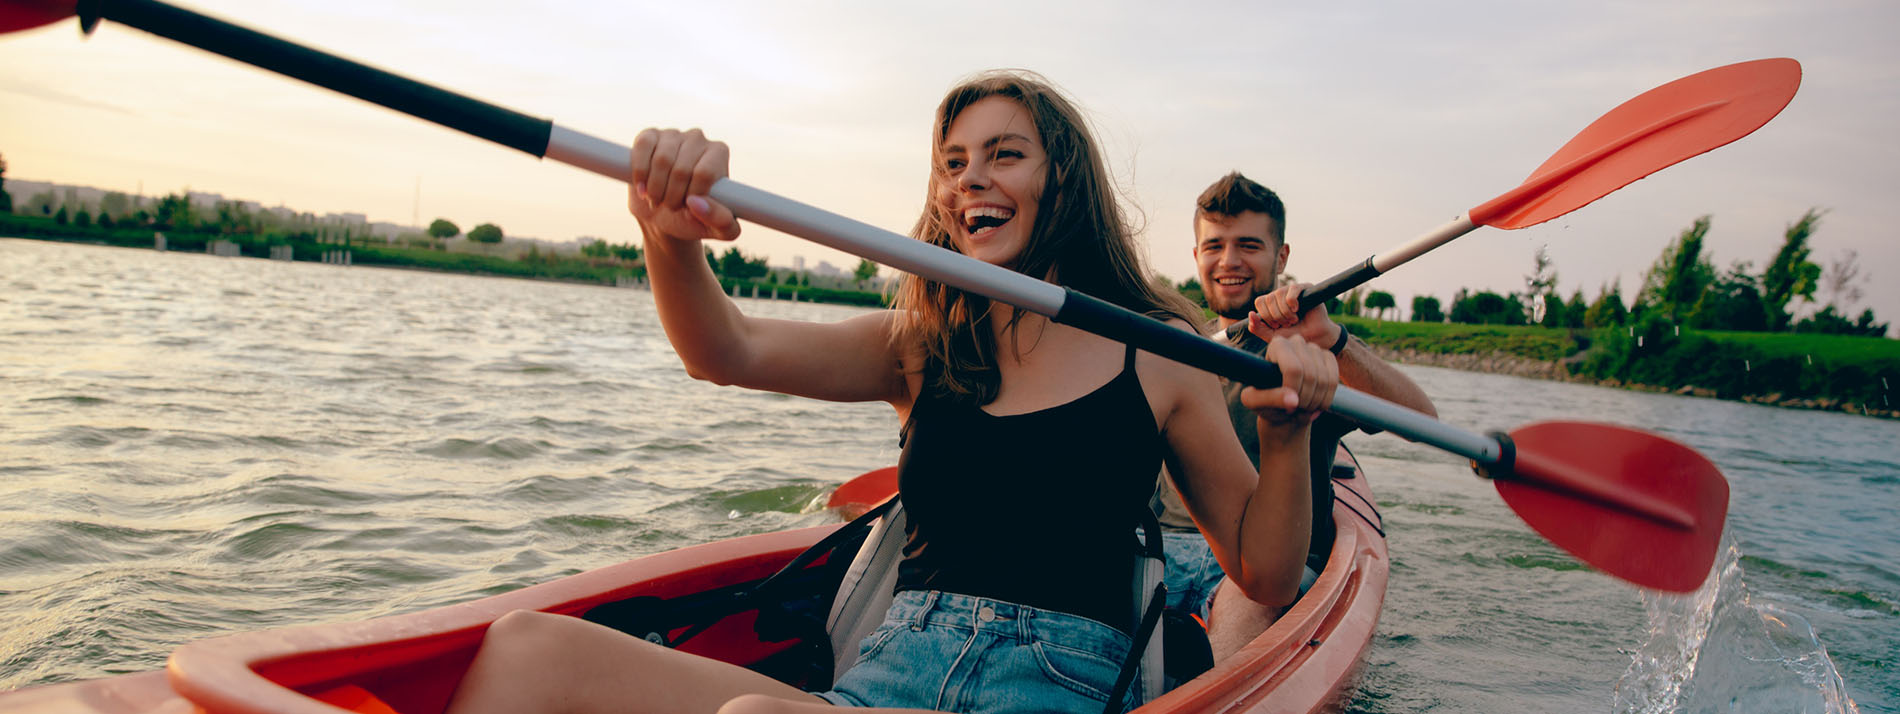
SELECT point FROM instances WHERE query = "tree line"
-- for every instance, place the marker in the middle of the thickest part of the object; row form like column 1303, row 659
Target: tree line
column 1682, row 287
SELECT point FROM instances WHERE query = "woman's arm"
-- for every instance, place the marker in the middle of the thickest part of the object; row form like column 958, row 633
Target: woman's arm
column 1258, row 523
column 852, row 360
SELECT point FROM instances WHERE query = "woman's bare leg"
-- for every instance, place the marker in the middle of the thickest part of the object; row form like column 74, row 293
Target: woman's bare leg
column 537, row 662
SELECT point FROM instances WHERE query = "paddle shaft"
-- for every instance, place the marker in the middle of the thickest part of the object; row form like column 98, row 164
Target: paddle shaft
column 1377, row 265
column 543, row 138
column 1528, row 203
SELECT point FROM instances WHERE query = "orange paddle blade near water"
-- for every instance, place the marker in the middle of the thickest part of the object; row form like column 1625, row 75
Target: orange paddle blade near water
column 1669, row 543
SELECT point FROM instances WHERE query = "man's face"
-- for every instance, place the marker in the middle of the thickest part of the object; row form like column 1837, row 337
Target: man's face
column 1238, row 258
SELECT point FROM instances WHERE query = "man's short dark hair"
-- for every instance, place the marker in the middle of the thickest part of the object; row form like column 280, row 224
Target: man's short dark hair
column 1235, row 194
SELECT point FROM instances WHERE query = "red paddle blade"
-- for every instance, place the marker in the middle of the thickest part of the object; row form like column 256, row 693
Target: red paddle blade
column 1654, row 131
column 864, row 492
column 17, row 15
column 1631, row 503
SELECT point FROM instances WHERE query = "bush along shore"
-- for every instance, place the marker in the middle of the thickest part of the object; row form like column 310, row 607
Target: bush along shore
column 1857, row 375
column 306, row 247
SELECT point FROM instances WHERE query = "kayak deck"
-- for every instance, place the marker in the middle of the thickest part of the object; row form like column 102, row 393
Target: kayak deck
column 1306, row 662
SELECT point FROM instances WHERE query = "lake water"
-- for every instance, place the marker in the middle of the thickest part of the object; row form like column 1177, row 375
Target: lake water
column 193, row 445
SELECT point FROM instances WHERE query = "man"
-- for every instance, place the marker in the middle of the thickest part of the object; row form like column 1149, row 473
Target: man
column 1239, row 251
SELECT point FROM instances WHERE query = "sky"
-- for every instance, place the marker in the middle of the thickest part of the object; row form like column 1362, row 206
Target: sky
column 1374, row 121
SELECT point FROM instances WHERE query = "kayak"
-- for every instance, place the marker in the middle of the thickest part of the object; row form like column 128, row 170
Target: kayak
column 702, row 599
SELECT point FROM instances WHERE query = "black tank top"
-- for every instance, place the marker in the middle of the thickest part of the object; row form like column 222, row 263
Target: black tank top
column 1037, row 509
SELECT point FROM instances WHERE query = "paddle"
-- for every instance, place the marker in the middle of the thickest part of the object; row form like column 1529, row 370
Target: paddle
column 1657, row 129
column 1683, row 500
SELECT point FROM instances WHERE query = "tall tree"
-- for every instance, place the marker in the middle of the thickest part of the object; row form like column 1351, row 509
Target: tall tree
column 1608, row 310
column 732, row 263
column 1354, row 300
column 1425, row 309
column 1672, row 286
column 865, row 270
column 174, row 212
column 485, row 233
column 1540, row 283
column 1380, row 300
column 1790, row 274
column 1732, row 302
column 1574, row 309
column 1554, row 312
column 442, row 229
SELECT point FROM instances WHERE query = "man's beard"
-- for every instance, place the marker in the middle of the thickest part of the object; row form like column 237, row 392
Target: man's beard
column 1239, row 312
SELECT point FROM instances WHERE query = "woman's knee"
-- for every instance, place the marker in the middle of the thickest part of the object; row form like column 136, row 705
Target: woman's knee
column 527, row 633
column 764, row 704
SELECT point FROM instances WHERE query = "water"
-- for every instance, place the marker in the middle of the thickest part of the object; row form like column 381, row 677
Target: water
column 193, row 445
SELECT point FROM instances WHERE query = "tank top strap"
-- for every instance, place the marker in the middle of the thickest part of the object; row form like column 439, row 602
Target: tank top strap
column 1128, row 361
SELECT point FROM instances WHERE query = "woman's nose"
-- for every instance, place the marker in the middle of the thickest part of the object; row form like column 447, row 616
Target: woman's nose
column 975, row 177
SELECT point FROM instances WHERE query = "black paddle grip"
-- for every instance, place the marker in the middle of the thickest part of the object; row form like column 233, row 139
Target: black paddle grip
column 500, row 125
column 1124, row 325
column 1332, row 287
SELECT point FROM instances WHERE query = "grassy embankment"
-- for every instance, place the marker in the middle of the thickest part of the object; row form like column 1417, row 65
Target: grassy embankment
column 1854, row 374
column 542, row 267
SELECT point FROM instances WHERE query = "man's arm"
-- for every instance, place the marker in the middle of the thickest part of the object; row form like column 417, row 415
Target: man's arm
column 1278, row 314
column 1360, row 369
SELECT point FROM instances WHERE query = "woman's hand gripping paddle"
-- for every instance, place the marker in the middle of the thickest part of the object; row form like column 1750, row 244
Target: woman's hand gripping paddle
column 1594, row 490
column 1656, row 130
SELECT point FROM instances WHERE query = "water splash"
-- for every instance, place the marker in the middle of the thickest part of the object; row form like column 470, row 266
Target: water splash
column 1717, row 650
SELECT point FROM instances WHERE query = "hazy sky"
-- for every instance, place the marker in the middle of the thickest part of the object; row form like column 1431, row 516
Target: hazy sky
column 1375, row 122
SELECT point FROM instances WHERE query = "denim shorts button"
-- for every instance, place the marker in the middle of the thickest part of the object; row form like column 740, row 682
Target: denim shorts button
column 985, row 614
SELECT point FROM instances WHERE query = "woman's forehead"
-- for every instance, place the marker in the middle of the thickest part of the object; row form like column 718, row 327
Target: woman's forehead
column 989, row 121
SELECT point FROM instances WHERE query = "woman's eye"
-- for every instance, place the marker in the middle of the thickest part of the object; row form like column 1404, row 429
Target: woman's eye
column 952, row 164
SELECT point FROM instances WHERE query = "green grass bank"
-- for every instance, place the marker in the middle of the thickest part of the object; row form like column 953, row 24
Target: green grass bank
column 1851, row 374
column 542, row 266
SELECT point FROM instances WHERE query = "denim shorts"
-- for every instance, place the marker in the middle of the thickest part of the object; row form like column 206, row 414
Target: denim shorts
column 1192, row 572
column 958, row 653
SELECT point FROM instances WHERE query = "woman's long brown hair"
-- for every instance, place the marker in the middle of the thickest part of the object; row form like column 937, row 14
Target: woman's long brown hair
column 1080, row 240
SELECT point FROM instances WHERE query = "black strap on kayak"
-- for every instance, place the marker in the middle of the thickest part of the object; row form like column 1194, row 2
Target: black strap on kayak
column 1145, row 630
column 846, row 533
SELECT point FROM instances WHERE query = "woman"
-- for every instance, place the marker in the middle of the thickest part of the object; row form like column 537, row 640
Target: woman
column 1028, row 445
